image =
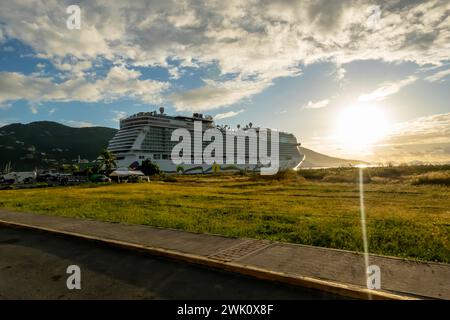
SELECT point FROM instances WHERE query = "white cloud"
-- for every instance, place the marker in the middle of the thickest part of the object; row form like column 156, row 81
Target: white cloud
column 438, row 76
column 217, row 94
column 122, row 82
column 5, row 106
column 75, row 67
column 386, row 89
column 174, row 73
column 186, row 20
column 425, row 139
column 340, row 73
column 257, row 40
column 42, row 26
column 119, row 82
column 33, row 107
column 423, row 130
column 119, row 115
column 229, row 114
column 316, row 105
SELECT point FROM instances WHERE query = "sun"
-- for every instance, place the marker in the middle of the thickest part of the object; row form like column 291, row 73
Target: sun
column 360, row 126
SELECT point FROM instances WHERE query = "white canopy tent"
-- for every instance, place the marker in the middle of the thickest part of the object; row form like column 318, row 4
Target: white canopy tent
column 123, row 172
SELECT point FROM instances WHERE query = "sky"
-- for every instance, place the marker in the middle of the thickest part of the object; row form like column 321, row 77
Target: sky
column 360, row 79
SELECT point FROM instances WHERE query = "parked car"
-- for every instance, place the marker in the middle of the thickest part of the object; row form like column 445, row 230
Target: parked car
column 50, row 178
column 100, row 178
column 7, row 181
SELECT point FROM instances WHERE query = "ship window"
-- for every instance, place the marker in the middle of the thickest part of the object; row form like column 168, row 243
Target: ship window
column 141, row 157
column 120, row 158
column 165, row 156
column 157, row 156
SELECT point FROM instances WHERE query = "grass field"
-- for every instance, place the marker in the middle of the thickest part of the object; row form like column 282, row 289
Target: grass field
column 403, row 219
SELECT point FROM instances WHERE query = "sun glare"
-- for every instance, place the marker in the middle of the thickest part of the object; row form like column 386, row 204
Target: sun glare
column 360, row 126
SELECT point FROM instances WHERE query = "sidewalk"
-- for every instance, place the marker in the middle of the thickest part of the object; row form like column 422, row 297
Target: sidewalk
column 335, row 271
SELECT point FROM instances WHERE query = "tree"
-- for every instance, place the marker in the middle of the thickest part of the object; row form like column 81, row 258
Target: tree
column 107, row 160
column 149, row 168
column 74, row 168
column 64, row 168
column 88, row 171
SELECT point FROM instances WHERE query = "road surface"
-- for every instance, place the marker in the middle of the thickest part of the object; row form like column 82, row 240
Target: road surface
column 33, row 265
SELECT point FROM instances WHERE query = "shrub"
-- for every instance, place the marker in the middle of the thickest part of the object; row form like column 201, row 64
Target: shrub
column 281, row 175
column 150, row 168
column 351, row 176
column 436, row 178
column 386, row 172
column 312, row 174
column 169, row 178
column 284, row 175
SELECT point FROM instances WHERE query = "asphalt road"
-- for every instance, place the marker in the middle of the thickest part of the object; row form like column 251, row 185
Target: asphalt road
column 33, row 266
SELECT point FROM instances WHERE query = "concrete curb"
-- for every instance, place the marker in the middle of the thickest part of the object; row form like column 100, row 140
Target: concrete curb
column 346, row 290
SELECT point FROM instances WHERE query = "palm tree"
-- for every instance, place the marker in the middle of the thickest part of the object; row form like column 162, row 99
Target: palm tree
column 74, row 168
column 107, row 160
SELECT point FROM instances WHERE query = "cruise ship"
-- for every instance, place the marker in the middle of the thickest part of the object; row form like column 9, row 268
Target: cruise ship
column 147, row 135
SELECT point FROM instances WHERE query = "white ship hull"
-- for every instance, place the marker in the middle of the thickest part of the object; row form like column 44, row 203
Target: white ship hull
column 135, row 159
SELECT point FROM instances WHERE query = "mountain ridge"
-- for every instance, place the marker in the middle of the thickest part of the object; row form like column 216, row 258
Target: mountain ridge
column 47, row 144
column 314, row 159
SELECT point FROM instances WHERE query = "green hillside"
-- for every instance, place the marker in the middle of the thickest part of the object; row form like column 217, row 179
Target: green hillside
column 45, row 144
